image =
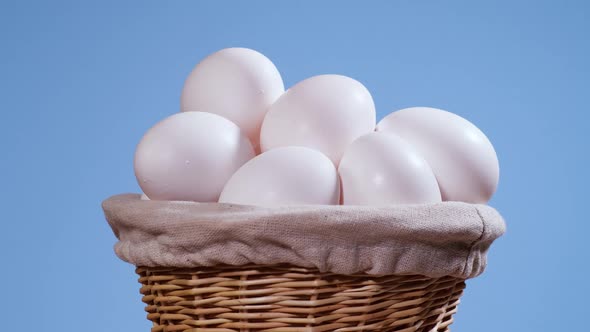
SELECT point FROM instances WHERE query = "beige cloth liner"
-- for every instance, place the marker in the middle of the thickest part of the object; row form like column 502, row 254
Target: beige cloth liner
column 449, row 238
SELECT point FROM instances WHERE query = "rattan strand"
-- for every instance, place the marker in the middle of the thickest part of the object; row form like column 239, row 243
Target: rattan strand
column 283, row 298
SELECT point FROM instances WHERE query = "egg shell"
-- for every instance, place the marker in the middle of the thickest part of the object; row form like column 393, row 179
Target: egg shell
column 284, row 176
column 325, row 112
column 461, row 156
column 381, row 169
column 190, row 156
column 237, row 83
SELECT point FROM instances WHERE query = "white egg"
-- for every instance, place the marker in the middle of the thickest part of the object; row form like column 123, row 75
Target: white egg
column 325, row 113
column 382, row 169
column 461, row 156
column 190, row 156
column 284, row 176
column 237, row 83
column 144, row 197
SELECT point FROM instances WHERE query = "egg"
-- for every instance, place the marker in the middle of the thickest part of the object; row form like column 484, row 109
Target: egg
column 236, row 83
column 461, row 156
column 381, row 169
column 325, row 112
column 144, row 197
column 190, row 156
column 284, row 176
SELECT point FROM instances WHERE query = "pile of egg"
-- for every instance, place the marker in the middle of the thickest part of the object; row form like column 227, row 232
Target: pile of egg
column 240, row 138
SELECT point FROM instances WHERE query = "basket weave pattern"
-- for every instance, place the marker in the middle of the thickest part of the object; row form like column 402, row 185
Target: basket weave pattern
column 283, row 298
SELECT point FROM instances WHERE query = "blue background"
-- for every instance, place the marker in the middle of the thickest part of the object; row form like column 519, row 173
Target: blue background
column 81, row 82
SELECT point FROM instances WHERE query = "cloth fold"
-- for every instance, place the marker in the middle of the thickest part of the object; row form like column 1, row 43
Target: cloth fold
column 442, row 239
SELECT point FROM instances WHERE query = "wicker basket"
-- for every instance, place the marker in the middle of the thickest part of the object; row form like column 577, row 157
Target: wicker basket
column 283, row 298
column 413, row 263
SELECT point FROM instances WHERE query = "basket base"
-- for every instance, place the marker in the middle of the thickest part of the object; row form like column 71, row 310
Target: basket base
column 283, row 298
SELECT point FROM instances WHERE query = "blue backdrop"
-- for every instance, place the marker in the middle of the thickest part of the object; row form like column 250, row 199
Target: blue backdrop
column 81, row 82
